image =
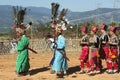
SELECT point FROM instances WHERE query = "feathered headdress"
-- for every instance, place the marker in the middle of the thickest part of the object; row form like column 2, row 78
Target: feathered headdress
column 18, row 13
column 61, row 21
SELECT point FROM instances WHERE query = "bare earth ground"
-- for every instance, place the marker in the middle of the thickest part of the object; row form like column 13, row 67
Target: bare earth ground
column 40, row 70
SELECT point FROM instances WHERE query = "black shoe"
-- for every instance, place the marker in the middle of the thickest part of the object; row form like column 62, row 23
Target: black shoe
column 27, row 73
column 59, row 76
column 20, row 74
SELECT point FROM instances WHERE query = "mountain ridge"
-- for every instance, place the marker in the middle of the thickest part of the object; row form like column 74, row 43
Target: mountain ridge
column 44, row 14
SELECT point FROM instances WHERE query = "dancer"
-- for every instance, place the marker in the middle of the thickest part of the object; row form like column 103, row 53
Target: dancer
column 113, row 52
column 84, row 42
column 93, row 52
column 22, row 61
column 104, row 49
column 60, row 62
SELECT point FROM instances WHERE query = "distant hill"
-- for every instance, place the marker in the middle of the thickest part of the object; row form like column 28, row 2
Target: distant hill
column 34, row 13
column 44, row 14
column 102, row 15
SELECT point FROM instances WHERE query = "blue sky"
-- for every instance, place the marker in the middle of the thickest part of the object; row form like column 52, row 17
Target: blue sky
column 73, row 5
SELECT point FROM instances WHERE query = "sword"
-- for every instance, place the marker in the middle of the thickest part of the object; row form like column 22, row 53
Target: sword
column 64, row 55
column 32, row 50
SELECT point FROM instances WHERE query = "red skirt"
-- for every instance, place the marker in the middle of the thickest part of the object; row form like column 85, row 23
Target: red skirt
column 84, row 53
column 104, row 52
column 94, row 52
column 113, row 54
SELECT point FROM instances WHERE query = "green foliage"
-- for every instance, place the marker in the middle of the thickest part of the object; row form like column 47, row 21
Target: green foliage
column 113, row 24
column 74, row 32
column 40, row 30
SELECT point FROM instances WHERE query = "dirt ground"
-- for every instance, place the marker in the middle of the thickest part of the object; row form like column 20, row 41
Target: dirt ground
column 40, row 71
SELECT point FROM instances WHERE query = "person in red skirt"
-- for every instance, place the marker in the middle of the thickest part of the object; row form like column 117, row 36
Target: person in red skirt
column 93, row 52
column 113, row 52
column 103, row 49
column 84, row 50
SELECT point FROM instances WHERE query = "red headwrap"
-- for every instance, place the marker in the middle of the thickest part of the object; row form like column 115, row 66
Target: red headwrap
column 14, row 27
column 22, row 26
column 94, row 29
column 84, row 29
column 113, row 29
column 103, row 27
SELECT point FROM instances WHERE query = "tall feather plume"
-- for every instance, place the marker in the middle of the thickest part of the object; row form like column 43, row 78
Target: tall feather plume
column 21, row 15
column 17, row 9
column 58, row 19
column 56, row 10
column 18, row 14
column 62, row 14
column 15, row 15
column 55, row 7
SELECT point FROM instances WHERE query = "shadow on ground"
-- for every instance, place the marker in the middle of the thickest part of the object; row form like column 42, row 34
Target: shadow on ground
column 37, row 70
column 72, row 70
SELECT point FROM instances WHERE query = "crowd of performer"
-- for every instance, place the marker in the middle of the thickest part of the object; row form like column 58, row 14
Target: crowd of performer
column 95, row 48
column 59, row 60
